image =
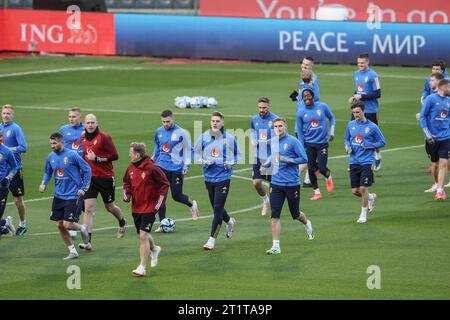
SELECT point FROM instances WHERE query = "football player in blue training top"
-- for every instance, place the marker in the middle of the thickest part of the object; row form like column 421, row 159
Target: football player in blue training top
column 217, row 152
column 362, row 137
column 173, row 153
column 72, row 178
column 436, row 67
column 262, row 127
column 72, row 138
column 312, row 131
column 72, row 131
column 433, row 168
column 435, row 123
column 368, row 90
column 14, row 139
column 287, row 154
column 8, row 169
column 308, row 79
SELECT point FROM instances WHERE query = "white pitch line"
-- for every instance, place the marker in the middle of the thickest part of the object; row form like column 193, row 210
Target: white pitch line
column 178, row 68
column 245, row 169
column 156, row 223
column 242, row 116
column 349, row 75
column 28, row 73
column 195, row 177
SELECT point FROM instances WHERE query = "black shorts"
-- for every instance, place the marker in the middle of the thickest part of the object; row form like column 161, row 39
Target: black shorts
column 438, row 150
column 429, row 149
column 280, row 193
column 3, row 197
column 67, row 210
column 257, row 173
column 106, row 187
column 369, row 116
column 361, row 175
column 143, row 221
column 16, row 185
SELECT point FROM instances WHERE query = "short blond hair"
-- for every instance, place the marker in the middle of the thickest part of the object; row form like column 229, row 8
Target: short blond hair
column 8, row 106
column 217, row 114
column 75, row 109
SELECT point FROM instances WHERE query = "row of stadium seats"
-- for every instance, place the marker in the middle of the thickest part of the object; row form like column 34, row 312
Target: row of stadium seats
column 16, row 4
column 150, row 4
column 115, row 4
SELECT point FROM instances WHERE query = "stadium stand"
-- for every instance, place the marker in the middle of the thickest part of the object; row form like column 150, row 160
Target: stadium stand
column 184, row 7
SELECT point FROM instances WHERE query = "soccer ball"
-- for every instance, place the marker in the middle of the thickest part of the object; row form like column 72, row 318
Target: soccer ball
column 211, row 103
column 195, row 102
column 167, row 225
column 182, row 102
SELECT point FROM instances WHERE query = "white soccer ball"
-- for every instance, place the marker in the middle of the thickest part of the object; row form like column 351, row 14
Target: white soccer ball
column 211, row 103
column 195, row 102
column 167, row 225
column 182, row 102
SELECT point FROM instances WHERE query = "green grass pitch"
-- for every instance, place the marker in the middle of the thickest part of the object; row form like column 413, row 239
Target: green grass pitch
column 407, row 237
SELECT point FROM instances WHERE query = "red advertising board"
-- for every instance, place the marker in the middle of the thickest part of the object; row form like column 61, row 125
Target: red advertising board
column 57, row 32
column 418, row 11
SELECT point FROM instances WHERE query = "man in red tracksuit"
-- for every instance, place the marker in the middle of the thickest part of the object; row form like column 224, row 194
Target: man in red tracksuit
column 99, row 152
column 146, row 185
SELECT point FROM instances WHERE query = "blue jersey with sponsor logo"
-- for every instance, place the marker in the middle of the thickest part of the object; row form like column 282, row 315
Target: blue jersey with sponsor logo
column 72, row 137
column 287, row 154
column 217, row 154
column 311, row 123
column 434, row 117
column 173, row 149
column 14, row 139
column 8, row 164
column 262, row 130
column 366, row 84
column 71, row 173
column 314, row 88
column 363, row 138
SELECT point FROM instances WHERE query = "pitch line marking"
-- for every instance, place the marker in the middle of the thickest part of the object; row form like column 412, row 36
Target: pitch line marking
column 199, row 176
column 27, row 73
column 177, row 68
column 242, row 116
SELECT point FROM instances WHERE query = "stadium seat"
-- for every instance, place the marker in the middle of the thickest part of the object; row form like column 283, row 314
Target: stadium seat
column 183, row 4
column 110, row 3
column 14, row 4
column 125, row 4
column 28, row 4
column 145, row 4
column 163, row 4
column 2, row 4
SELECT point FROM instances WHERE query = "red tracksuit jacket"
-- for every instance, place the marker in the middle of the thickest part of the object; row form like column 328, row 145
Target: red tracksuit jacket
column 103, row 147
column 147, row 185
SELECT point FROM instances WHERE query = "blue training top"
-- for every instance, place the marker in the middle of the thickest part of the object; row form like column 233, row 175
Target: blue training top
column 173, row 149
column 367, row 84
column 262, row 129
column 434, row 117
column 65, row 166
column 8, row 164
column 14, row 140
column 217, row 155
column 287, row 154
column 363, row 138
column 72, row 137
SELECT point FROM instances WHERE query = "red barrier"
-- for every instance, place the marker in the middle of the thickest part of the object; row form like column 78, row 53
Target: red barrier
column 57, row 32
column 391, row 11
